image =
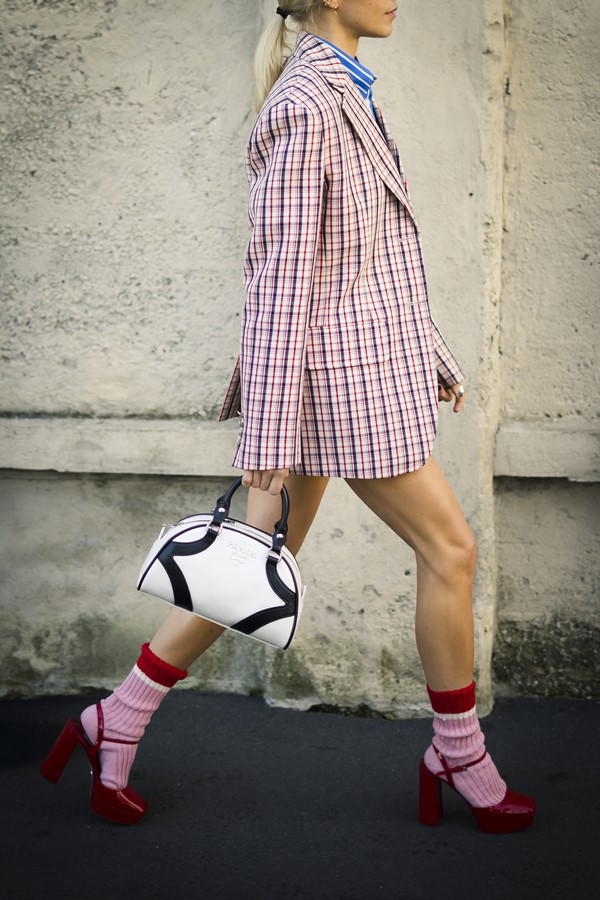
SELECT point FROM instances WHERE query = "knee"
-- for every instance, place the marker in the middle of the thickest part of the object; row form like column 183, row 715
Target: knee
column 462, row 553
column 467, row 552
column 455, row 556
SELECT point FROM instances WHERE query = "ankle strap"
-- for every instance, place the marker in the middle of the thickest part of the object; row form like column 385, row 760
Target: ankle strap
column 100, row 736
column 448, row 770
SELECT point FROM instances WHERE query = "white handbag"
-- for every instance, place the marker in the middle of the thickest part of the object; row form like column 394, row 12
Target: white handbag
column 229, row 572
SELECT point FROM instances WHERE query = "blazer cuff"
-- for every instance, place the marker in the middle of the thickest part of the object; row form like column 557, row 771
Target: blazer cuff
column 252, row 460
column 449, row 372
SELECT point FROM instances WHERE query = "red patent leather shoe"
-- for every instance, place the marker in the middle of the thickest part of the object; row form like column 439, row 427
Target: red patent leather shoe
column 513, row 813
column 124, row 806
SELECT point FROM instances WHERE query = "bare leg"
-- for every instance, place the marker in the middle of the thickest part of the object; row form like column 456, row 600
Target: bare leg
column 421, row 508
column 183, row 637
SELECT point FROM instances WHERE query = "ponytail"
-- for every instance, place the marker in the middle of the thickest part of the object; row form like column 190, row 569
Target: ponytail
column 274, row 46
column 269, row 58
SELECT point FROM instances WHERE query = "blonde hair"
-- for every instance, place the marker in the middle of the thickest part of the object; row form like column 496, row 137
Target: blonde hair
column 275, row 45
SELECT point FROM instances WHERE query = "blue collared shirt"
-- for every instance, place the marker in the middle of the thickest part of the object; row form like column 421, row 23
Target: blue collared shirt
column 362, row 77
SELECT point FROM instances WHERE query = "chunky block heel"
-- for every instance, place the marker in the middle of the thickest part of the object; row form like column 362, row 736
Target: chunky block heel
column 430, row 797
column 54, row 764
column 125, row 806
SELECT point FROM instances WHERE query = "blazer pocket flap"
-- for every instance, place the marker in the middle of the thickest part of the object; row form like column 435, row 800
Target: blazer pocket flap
column 345, row 345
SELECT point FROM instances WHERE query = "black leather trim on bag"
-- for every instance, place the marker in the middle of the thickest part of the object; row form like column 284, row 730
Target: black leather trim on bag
column 266, row 616
column 181, row 592
column 221, row 511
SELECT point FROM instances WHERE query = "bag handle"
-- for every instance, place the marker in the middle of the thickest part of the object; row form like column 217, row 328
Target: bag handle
column 221, row 511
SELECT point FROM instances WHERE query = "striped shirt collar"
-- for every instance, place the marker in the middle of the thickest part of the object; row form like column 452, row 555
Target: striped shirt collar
column 362, row 77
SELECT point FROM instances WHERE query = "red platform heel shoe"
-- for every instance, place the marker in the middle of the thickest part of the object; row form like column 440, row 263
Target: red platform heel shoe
column 124, row 806
column 513, row 813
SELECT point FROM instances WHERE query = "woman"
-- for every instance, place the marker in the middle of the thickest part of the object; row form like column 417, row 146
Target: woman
column 340, row 374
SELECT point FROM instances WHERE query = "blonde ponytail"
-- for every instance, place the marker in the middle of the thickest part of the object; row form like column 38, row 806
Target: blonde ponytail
column 269, row 58
column 275, row 45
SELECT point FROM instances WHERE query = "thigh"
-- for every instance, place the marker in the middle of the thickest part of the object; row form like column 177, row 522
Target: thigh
column 306, row 493
column 419, row 506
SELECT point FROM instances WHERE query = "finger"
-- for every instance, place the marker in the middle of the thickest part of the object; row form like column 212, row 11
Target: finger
column 275, row 485
column 277, row 481
column 247, row 478
column 444, row 395
column 256, row 478
column 458, row 391
column 265, row 480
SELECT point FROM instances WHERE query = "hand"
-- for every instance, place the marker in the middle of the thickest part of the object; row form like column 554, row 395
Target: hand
column 445, row 395
column 270, row 480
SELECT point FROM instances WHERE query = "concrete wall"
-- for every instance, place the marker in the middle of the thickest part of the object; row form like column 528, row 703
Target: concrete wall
column 122, row 145
column 548, row 625
column 548, row 530
column 122, row 149
column 549, row 319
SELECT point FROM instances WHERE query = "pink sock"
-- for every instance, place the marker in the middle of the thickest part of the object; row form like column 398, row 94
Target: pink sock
column 127, row 712
column 459, row 738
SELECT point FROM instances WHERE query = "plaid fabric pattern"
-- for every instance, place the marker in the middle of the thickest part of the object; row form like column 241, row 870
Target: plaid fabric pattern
column 339, row 358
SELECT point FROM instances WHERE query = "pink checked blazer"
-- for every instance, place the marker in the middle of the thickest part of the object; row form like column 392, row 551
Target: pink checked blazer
column 340, row 358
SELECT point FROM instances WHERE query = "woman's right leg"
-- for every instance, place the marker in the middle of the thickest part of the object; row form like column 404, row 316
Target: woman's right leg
column 179, row 641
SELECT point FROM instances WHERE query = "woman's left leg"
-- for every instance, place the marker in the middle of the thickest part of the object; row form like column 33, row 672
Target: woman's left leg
column 421, row 508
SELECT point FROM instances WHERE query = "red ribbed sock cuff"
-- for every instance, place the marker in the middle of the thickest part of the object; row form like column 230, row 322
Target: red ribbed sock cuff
column 460, row 701
column 157, row 669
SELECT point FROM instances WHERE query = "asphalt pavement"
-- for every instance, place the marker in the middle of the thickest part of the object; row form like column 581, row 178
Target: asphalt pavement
column 247, row 801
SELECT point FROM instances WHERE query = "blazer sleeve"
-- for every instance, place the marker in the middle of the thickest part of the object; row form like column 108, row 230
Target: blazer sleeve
column 448, row 370
column 286, row 171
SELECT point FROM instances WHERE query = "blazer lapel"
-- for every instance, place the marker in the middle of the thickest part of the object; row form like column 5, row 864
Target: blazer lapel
column 376, row 146
column 393, row 148
column 377, row 141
